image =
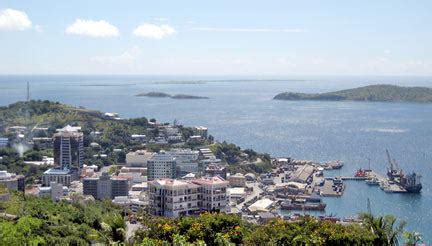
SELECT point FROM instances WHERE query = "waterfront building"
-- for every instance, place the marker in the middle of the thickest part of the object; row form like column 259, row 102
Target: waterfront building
column 12, row 181
column 302, row 174
column 174, row 198
column 105, row 186
column 138, row 158
column 161, row 165
column 237, row 180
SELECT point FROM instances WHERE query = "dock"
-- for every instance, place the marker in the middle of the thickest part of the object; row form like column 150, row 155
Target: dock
column 385, row 185
column 328, row 190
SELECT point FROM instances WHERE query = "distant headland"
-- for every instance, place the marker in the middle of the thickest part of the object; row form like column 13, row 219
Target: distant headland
column 162, row 94
column 371, row 93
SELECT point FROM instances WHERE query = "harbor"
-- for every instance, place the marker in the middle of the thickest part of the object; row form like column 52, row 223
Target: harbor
column 298, row 187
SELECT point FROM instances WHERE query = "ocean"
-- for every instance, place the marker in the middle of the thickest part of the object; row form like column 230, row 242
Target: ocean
column 241, row 110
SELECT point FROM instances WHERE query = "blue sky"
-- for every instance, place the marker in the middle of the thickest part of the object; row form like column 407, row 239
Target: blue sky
column 387, row 37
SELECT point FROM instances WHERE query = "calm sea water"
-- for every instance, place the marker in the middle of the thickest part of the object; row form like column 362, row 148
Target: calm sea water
column 242, row 112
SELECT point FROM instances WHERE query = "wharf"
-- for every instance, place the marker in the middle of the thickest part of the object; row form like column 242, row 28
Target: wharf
column 328, row 190
column 385, row 184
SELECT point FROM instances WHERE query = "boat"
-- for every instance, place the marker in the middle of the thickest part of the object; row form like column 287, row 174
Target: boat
column 409, row 182
column 333, row 165
column 360, row 173
column 302, row 204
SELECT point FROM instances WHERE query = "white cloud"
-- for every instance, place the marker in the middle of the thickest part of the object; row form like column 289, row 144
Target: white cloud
column 11, row 20
column 127, row 57
column 91, row 28
column 218, row 29
column 147, row 30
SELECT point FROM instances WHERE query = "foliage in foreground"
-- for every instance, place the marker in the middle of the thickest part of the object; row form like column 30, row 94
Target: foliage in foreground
column 41, row 221
column 222, row 229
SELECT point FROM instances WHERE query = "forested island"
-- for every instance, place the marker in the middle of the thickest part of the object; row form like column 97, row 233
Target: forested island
column 371, row 93
column 177, row 96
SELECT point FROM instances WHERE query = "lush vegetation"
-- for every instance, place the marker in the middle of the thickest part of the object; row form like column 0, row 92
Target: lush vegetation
column 374, row 93
column 43, row 222
column 40, row 221
column 162, row 94
column 222, row 229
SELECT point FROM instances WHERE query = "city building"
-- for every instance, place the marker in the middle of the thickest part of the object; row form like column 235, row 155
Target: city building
column 12, row 181
column 59, row 175
column 55, row 190
column 105, row 187
column 215, row 170
column 4, row 142
column 138, row 158
column 68, row 145
column 237, row 180
column 69, row 148
column 201, row 131
column 161, row 165
column 139, row 138
column 302, row 174
column 174, row 198
column 186, row 160
column 134, row 174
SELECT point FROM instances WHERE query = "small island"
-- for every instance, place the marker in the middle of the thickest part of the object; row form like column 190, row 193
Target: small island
column 371, row 93
column 164, row 95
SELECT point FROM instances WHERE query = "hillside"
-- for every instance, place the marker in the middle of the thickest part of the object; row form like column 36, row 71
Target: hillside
column 372, row 93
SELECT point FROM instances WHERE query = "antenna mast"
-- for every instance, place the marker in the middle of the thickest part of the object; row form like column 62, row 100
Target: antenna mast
column 28, row 91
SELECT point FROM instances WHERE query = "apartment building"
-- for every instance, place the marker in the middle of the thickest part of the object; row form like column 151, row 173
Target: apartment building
column 162, row 165
column 174, row 198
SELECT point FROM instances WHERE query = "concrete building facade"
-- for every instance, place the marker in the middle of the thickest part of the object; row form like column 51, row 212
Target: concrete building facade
column 12, row 181
column 174, row 198
column 162, row 165
column 105, row 187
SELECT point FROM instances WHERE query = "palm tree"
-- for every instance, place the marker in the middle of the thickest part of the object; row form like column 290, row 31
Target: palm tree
column 113, row 228
column 385, row 228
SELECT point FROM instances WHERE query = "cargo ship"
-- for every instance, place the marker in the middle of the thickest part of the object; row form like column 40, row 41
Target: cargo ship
column 410, row 182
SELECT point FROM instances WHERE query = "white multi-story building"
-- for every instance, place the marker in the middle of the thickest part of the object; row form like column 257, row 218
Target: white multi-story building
column 162, row 165
column 173, row 198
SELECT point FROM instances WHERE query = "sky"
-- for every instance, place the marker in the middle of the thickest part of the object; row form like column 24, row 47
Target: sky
column 223, row 37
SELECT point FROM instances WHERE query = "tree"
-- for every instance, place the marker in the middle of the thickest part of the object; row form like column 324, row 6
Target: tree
column 385, row 229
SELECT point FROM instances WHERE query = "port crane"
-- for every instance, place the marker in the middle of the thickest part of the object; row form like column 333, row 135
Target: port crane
column 394, row 171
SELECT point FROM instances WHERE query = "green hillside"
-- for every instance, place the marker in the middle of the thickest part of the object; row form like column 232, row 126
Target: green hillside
column 372, row 93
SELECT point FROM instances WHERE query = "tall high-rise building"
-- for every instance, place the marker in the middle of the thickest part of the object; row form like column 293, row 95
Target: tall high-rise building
column 69, row 148
column 162, row 165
